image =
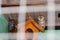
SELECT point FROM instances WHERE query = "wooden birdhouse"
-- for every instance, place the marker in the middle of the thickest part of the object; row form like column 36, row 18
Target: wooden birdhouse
column 32, row 29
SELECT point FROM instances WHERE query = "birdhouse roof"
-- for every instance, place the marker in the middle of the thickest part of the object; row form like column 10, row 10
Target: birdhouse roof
column 36, row 25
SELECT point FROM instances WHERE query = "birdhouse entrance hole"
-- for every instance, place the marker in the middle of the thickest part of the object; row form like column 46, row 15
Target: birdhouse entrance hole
column 29, row 34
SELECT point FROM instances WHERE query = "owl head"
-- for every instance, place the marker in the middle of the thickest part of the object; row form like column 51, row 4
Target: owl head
column 40, row 18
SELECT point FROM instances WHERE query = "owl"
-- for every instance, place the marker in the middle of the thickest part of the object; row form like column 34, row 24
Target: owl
column 41, row 21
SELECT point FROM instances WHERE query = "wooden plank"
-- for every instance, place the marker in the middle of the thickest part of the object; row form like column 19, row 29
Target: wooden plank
column 8, row 3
